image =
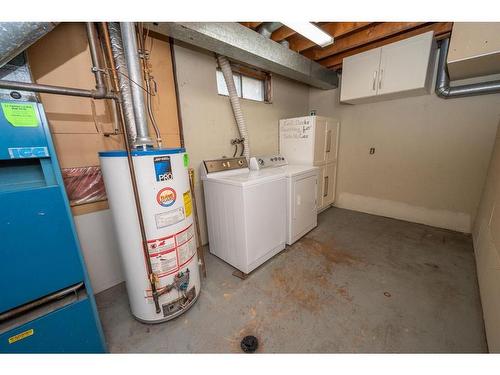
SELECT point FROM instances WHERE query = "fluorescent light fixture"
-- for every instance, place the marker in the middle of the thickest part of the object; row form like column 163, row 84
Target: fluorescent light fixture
column 311, row 32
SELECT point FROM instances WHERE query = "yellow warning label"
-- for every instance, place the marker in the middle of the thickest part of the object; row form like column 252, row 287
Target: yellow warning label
column 21, row 336
column 188, row 204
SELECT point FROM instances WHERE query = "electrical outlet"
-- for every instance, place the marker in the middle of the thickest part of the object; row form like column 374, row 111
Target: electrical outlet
column 372, row 150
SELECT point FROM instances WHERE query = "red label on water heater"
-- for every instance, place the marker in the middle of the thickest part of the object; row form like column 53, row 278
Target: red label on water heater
column 166, row 197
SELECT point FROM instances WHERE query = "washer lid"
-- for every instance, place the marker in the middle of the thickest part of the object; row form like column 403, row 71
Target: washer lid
column 249, row 178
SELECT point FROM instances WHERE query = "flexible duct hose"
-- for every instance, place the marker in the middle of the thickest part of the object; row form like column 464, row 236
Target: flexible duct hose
column 235, row 102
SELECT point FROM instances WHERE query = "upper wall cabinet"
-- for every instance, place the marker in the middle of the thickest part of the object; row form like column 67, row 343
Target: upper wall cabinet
column 393, row 71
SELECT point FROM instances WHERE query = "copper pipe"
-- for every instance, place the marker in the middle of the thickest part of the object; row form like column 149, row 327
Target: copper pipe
column 176, row 87
column 199, row 247
column 151, row 275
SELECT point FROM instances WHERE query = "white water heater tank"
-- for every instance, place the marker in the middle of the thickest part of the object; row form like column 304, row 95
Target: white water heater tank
column 165, row 197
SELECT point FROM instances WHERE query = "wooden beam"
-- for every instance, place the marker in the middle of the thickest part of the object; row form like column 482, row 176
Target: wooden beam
column 336, row 29
column 251, row 25
column 441, row 30
column 360, row 38
column 282, row 33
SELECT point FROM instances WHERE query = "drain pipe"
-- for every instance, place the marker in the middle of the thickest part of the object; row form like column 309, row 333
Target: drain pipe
column 134, row 67
column 235, row 102
column 445, row 91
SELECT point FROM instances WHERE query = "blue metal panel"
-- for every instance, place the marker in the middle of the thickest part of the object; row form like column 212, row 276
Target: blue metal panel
column 59, row 180
column 71, row 329
column 38, row 249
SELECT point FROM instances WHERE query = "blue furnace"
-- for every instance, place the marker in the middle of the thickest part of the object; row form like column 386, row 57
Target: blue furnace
column 46, row 300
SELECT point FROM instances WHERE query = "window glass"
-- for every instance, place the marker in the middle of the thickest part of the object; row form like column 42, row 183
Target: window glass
column 252, row 88
column 221, row 83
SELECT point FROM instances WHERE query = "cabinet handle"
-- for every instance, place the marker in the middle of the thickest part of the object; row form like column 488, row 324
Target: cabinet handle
column 374, row 80
column 325, row 187
column 328, row 141
column 380, row 80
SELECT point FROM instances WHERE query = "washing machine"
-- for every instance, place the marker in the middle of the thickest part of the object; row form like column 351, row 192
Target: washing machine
column 245, row 211
column 301, row 193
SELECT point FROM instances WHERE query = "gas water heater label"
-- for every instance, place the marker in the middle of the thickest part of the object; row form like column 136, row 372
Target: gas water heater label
column 166, row 197
column 163, row 168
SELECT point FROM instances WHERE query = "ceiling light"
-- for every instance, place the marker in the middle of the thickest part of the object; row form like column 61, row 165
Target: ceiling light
column 311, row 32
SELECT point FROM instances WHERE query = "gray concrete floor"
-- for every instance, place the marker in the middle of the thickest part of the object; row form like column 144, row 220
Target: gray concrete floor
column 356, row 283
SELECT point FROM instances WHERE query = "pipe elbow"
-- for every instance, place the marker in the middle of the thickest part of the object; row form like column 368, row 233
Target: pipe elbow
column 443, row 92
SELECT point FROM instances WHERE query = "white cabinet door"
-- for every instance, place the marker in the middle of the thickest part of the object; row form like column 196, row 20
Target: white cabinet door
column 320, row 188
column 320, row 124
column 404, row 65
column 304, row 205
column 360, row 75
column 329, row 184
column 332, row 136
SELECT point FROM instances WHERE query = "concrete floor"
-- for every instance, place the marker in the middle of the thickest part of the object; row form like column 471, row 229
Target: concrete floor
column 356, row 283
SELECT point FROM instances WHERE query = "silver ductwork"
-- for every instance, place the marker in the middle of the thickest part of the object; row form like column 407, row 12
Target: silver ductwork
column 445, row 91
column 240, row 43
column 123, row 82
column 134, row 68
column 15, row 37
column 267, row 28
column 285, row 43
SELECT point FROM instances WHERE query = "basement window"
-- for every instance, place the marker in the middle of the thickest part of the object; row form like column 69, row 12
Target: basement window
column 250, row 83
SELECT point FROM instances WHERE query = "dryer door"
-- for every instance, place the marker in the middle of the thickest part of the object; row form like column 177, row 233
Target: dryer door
column 304, row 216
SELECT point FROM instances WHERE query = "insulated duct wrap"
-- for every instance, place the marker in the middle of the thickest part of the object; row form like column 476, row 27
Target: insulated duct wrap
column 15, row 37
column 131, row 54
column 121, row 68
column 235, row 102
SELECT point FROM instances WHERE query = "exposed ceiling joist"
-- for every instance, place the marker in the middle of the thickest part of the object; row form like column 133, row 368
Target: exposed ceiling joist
column 441, row 30
column 336, row 29
column 364, row 36
column 282, row 33
column 243, row 44
column 252, row 25
column 355, row 37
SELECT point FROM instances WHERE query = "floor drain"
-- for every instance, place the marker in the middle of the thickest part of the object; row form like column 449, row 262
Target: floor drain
column 249, row 344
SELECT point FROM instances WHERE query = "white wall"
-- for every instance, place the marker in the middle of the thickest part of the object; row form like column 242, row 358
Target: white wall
column 431, row 155
column 208, row 120
column 486, row 236
column 100, row 249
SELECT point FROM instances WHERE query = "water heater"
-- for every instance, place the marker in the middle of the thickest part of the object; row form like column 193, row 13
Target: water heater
column 167, row 210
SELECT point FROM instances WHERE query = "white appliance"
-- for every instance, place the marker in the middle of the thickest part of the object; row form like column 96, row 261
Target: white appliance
column 301, row 195
column 245, row 212
column 165, row 196
column 313, row 140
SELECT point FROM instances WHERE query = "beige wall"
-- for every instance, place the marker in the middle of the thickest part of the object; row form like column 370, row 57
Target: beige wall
column 486, row 236
column 208, row 120
column 430, row 161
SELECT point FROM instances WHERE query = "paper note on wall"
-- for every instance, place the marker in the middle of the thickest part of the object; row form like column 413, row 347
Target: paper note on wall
column 20, row 114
